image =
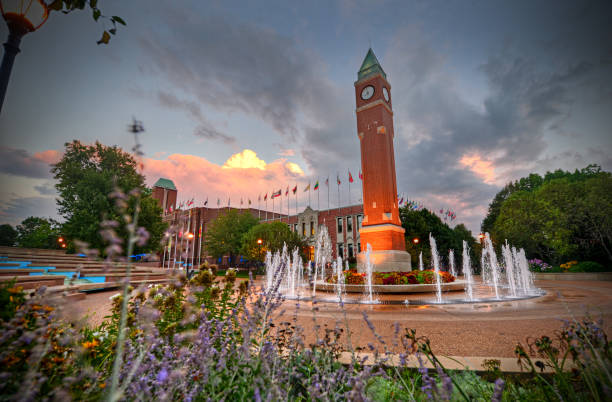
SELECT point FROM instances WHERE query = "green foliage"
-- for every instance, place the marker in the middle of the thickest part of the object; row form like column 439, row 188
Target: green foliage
column 226, row 233
column 529, row 184
column 86, row 175
column 565, row 216
column 11, row 297
column 8, row 235
column 273, row 236
column 68, row 6
column 34, row 232
column 588, row 266
column 421, row 223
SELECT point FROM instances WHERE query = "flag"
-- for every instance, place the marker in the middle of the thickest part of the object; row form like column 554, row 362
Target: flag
column 350, row 177
column 259, row 198
column 241, row 201
column 360, row 175
column 401, row 201
column 249, row 201
column 338, row 179
column 170, row 208
column 294, row 189
column 218, row 201
column 327, row 182
column 316, row 187
column 276, row 194
column 266, row 197
column 206, row 202
column 307, row 188
column 287, row 191
column 228, row 201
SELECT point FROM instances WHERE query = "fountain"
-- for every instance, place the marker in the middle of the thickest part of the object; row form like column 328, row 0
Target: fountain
column 467, row 272
column 421, row 261
column 451, row 262
column 510, row 280
column 436, row 263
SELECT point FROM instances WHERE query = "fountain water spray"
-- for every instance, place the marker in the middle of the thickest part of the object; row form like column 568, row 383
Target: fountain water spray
column 369, row 273
column 493, row 264
column 451, row 262
column 436, row 262
column 467, row 272
column 340, row 289
column 421, row 261
column 510, row 271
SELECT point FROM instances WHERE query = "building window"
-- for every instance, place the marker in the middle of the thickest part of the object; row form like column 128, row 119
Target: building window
column 340, row 251
column 340, row 225
column 359, row 247
column 312, row 228
column 350, row 250
column 303, row 229
column 349, row 224
column 359, row 219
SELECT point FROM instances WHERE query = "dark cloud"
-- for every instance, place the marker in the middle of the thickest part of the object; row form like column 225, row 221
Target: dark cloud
column 236, row 66
column 46, row 189
column 205, row 129
column 19, row 162
column 210, row 133
column 16, row 210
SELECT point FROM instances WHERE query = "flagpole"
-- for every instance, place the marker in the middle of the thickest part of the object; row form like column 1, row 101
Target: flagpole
column 273, row 208
column 200, row 245
column 338, row 182
column 169, row 251
column 164, row 257
column 349, row 186
column 308, row 193
column 288, row 212
column 318, row 197
column 327, row 185
column 266, row 200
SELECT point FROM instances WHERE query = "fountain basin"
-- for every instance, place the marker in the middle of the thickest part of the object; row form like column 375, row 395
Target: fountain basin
column 458, row 285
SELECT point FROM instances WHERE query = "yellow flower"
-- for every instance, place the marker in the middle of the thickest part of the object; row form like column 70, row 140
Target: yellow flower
column 16, row 289
column 90, row 345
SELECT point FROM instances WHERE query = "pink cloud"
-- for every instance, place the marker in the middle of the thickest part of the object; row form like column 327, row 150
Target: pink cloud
column 197, row 177
column 49, row 156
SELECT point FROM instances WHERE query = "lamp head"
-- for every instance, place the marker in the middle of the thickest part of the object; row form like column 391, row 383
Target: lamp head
column 23, row 16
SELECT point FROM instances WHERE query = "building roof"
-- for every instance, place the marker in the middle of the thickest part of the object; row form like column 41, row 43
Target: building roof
column 370, row 66
column 165, row 183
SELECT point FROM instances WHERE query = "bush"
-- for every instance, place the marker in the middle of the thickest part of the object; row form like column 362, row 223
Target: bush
column 588, row 266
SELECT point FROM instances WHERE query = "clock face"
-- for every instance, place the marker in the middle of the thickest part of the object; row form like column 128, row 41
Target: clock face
column 386, row 94
column 367, row 92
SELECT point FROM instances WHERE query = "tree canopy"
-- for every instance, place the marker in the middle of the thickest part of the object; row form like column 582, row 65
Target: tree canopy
column 273, row 236
column 225, row 235
column 419, row 224
column 86, row 175
column 8, row 235
column 34, row 232
column 568, row 216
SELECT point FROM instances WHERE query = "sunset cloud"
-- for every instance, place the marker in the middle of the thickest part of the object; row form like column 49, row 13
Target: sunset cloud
column 482, row 168
column 243, row 175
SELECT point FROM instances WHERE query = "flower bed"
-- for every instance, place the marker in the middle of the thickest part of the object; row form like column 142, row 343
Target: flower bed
column 352, row 277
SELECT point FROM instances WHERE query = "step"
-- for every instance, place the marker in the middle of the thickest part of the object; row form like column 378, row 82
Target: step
column 34, row 281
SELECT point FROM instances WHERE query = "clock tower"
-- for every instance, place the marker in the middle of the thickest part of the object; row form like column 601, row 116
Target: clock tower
column 381, row 226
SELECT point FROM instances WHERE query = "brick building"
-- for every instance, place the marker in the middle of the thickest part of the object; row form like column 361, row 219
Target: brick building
column 165, row 192
column 342, row 224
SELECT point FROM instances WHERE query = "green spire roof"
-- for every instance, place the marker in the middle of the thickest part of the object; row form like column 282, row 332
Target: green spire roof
column 165, row 183
column 370, row 66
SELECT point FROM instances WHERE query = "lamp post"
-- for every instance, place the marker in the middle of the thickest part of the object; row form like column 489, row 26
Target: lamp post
column 21, row 16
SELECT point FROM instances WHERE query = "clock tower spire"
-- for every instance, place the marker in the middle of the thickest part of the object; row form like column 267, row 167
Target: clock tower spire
column 381, row 226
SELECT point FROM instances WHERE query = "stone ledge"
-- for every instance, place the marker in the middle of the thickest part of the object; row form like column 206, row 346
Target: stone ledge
column 573, row 276
column 417, row 288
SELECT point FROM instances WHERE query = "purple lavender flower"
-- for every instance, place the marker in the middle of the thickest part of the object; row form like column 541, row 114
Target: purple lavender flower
column 498, row 390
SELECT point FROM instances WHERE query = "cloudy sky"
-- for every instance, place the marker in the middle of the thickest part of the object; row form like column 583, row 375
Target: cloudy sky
column 242, row 98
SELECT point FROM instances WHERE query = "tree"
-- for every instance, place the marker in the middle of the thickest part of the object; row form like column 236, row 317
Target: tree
column 86, row 175
column 225, row 235
column 532, row 183
column 273, row 236
column 34, row 232
column 567, row 217
column 419, row 224
column 68, row 6
column 8, row 235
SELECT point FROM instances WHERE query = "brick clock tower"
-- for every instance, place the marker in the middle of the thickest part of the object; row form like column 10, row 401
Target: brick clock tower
column 381, row 227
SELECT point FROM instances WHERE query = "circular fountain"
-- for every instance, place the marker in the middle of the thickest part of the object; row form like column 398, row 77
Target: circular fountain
column 324, row 279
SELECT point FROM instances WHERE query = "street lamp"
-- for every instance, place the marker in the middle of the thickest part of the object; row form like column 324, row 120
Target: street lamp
column 416, row 240
column 21, row 16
